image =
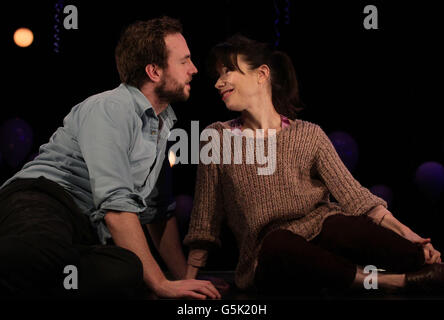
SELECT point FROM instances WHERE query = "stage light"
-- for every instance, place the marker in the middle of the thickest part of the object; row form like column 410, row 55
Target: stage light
column 383, row 192
column 23, row 37
column 430, row 179
column 346, row 147
column 16, row 138
column 172, row 158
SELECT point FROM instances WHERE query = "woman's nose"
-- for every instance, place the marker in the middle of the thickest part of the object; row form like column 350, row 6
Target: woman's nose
column 219, row 84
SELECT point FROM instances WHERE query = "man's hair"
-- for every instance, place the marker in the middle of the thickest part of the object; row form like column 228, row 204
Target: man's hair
column 143, row 43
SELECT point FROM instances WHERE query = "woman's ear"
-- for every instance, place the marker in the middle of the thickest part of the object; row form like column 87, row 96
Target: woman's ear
column 263, row 73
column 153, row 72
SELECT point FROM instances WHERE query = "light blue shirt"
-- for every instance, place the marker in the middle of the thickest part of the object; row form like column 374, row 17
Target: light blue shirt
column 108, row 155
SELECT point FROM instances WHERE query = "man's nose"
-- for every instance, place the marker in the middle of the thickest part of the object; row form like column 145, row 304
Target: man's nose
column 193, row 68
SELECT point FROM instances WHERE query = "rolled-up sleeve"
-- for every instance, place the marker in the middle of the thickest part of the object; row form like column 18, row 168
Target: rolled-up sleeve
column 105, row 138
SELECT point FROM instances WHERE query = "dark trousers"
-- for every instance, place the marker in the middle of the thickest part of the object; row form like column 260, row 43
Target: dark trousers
column 289, row 264
column 40, row 243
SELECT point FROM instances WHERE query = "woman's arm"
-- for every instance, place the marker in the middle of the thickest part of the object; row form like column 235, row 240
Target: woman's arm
column 385, row 218
column 351, row 195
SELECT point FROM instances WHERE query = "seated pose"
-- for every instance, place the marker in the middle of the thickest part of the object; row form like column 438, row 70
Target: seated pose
column 82, row 201
column 291, row 236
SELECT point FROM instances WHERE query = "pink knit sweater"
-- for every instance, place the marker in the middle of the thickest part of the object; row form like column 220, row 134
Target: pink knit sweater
column 295, row 197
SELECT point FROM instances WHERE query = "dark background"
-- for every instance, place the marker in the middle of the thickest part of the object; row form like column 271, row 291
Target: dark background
column 382, row 86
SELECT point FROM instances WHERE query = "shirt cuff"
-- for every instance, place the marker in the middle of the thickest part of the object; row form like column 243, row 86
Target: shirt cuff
column 153, row 214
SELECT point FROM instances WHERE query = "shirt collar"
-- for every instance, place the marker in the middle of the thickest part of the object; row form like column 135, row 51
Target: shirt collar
column 143, row 105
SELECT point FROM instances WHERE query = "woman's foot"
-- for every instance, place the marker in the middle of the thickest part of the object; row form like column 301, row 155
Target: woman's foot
column 429, row 279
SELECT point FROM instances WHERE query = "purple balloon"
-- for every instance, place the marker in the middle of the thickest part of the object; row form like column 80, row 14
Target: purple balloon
column 430, row 179
column 16, row 139
column 383, row 192
column 346, row 147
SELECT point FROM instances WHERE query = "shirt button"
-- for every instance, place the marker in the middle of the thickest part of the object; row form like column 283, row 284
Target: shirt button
column 153, row 131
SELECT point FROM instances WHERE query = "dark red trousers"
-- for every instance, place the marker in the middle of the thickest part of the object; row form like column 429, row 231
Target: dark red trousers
column 289, row 264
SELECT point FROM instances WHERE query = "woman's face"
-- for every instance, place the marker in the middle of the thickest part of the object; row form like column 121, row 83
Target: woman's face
column 237, row 89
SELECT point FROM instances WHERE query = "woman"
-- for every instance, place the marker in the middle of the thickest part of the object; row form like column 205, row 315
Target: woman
column 290, row 235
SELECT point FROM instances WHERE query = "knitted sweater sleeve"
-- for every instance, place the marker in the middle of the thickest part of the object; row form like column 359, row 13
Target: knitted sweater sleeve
column 353, row 198
column 207, row 214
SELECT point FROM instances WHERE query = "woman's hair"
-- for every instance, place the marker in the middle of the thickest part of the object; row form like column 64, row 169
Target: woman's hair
column 284, row 84
column 143, row 43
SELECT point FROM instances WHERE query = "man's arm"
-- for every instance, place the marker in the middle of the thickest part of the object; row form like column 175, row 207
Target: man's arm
column 127, row 233
column 165, row 236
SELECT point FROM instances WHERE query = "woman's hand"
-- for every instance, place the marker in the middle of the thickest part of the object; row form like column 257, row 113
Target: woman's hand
column 431, row 255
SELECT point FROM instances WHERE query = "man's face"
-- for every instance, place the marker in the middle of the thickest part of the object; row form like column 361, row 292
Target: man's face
column 175, row 84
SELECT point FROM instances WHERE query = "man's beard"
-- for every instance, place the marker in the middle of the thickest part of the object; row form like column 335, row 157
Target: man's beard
column 176, row 94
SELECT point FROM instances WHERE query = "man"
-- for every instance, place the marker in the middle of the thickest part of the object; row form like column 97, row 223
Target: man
column 104, row 164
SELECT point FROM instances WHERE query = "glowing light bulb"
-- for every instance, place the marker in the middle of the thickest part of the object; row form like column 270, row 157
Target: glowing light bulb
column 23, row 37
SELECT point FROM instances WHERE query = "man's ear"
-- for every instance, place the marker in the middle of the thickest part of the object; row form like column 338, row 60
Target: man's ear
column 263, row 73
column 153, row 72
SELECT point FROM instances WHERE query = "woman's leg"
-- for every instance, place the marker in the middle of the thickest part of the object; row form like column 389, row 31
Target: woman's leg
column 288, row 264
column 362, row 241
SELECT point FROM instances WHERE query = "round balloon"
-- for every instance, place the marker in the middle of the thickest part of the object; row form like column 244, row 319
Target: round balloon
column 383, row 192
column 346, row 147
column 430, row 179
column 16, row 139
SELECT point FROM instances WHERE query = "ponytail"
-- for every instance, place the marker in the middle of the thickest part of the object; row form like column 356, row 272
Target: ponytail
column 284, row 85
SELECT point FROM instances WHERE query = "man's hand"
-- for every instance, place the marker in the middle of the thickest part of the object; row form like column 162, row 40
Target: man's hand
column 219, row 283
column 187, row 289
